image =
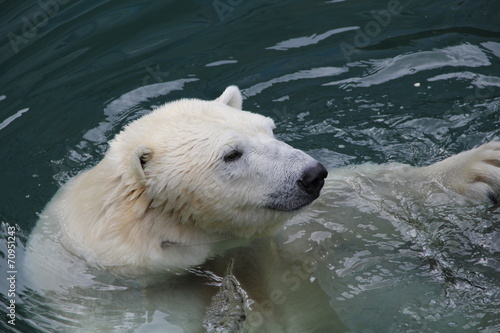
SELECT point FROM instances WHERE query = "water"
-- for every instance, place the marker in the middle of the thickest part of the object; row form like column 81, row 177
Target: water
column 347, row 81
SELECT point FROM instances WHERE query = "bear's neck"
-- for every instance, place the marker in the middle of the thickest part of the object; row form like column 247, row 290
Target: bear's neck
column 126, row 223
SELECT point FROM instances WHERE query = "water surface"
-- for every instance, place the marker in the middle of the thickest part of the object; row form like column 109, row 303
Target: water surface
column 349, row 82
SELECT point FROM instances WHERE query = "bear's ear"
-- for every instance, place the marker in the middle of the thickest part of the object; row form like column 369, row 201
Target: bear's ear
column 141, row 155
column 231, row 97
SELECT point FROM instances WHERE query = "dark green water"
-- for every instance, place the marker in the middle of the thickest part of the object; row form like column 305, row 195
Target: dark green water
column 346, row 81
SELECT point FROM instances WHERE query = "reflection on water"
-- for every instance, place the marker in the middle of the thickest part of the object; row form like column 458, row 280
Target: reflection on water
column 421, row 85
column 382, row 71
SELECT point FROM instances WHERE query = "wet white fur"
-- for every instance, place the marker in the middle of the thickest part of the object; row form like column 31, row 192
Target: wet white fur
column 163, row 198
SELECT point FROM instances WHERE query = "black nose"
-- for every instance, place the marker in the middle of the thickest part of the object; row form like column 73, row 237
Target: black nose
column 313, row 179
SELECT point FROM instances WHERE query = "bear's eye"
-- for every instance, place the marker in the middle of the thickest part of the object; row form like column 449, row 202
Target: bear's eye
column 232, row 156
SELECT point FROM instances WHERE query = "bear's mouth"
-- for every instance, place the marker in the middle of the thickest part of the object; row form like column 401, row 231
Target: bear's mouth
column 286, row 204
column 287, row 208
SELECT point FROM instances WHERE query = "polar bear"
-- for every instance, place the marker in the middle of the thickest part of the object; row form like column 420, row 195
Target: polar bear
column 192, row 172
column 192, row 180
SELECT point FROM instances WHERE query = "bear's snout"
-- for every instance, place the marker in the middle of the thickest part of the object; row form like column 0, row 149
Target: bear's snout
column 299, row 191
column 313, row 179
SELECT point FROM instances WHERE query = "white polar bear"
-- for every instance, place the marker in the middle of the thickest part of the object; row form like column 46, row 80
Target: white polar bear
column 193, row 179
column 193, row 173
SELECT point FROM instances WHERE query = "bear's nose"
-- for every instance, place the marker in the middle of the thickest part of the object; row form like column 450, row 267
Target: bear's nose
column 313, row 179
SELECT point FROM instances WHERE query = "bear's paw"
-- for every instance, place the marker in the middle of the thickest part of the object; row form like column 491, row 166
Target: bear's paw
column 474, row 173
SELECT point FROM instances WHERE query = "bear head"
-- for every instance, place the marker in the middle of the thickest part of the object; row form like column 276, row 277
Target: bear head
column 212, row 165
